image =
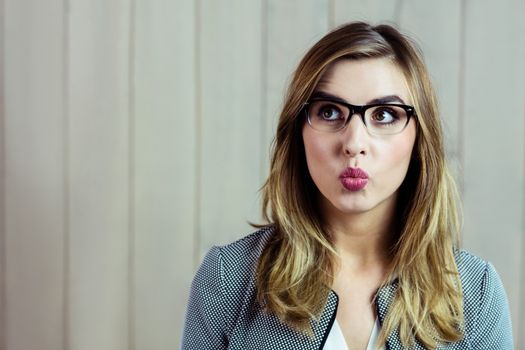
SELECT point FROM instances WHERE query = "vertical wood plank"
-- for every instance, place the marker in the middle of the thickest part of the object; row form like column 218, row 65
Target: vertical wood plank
column 494, row 125
column 373, row 11
column 285, row 45
column 520, row 326
column 34, row 191
column 437, row 29
column 98, row 170
column 164, row 170
column 3, row 302
column 230, row 105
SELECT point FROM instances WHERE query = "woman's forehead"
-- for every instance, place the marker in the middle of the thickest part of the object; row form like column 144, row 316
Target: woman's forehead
column 360, row 80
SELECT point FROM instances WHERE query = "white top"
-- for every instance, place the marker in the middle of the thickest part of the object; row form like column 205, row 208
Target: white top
column 336, row 341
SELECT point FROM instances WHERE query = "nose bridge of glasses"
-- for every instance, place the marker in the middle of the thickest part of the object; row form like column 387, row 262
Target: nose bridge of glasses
column 359, row 123
column 353, row 110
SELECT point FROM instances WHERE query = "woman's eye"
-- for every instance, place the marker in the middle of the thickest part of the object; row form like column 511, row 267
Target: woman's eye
column 384, row 116
column 329, row 113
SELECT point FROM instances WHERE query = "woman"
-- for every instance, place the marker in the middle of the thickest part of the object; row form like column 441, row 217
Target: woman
column 362, row 247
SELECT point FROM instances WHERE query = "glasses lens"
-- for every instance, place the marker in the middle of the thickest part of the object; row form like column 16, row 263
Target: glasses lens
column 327, row 115
column 386, row 119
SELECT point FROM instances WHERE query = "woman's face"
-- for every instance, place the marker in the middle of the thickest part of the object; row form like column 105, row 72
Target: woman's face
column 355, row 171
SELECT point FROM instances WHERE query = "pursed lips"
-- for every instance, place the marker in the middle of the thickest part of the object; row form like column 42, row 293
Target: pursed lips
column 354, row 179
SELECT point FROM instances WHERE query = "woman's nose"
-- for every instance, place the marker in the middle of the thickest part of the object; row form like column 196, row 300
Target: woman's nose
column 355, row 137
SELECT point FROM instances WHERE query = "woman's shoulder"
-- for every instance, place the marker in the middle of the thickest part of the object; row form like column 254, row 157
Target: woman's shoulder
column 485, row 302
column 223, row 287
column 476, row 274
column 470, row 267
column 246, row 250
column 235, row 263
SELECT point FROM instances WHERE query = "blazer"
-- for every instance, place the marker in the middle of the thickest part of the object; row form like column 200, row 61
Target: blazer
column 222, row 312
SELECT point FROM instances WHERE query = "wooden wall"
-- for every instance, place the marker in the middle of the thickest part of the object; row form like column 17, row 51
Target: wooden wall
column 135, row 135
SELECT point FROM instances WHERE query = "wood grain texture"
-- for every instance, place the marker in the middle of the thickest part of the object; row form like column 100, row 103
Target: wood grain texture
column 373, row 11
column 494, row 124
column 442, row 53
column 230, row 104
column 99, row 174
column 3, row 300
column 285, row 45
column 34, row 174
column 165, row 170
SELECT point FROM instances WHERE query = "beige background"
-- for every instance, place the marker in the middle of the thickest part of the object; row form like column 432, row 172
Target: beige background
column 135, row 135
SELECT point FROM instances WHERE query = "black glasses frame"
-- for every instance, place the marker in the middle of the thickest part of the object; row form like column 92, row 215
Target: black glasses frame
column 360, row 110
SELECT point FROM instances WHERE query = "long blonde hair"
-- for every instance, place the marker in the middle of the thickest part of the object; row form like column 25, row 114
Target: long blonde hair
column 295, row 270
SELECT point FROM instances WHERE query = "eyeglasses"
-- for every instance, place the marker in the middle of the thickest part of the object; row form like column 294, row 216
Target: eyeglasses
column 380, row 119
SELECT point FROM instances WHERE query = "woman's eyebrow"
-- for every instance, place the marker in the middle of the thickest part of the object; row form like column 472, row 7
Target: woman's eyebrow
column 322, row 94
column 379, row 100
column 386, row 99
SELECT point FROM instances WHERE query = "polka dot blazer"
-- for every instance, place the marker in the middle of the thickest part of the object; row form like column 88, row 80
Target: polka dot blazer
column 222, row 311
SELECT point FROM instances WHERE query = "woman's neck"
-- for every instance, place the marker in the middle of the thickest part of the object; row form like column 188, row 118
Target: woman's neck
column 364, row 238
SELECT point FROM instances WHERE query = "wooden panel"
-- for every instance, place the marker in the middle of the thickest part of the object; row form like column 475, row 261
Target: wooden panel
column 373, row 11
column 494, row 115
column 34, row 178
column 519, row 315
column 437, row 28
column 98, row 169
column 285, row 45
column 230, row 112
column 165, row 157
column 3, row 302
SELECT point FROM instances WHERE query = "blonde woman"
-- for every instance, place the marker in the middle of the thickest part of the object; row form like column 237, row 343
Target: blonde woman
column 361, row 250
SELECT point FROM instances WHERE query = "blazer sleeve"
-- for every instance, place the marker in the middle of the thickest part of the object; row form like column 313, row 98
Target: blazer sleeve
column 493, row 328
column 205, row 325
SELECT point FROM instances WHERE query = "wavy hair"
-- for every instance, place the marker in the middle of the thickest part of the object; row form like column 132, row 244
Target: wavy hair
column 295, row 270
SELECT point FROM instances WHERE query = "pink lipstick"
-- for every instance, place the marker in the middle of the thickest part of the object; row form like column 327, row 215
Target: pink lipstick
column 354, row 179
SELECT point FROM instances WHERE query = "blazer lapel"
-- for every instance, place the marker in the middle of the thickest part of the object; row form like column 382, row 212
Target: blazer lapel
column 281, row 336
column 385, row 297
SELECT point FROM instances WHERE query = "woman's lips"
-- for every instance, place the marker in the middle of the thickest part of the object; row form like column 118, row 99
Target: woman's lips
column 354, row 184
column 354, row 179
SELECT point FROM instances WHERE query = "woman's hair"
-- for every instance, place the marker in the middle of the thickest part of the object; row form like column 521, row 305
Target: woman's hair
column 295, row 271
